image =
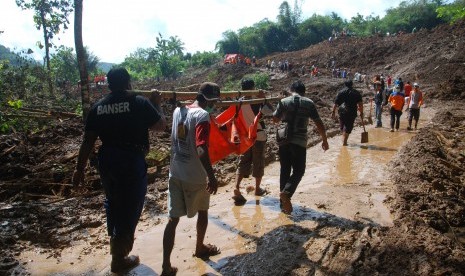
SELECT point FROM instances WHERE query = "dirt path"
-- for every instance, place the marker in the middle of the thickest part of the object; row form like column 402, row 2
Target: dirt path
column 337, row 206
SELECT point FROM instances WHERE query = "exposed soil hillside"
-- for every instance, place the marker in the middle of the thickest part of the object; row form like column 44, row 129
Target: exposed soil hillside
column 39, row 208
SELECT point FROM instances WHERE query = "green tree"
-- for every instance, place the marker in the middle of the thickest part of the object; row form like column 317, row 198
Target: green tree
column 168, row 53
column 204, row 59
column 412, row 14
column 50, row 16
column 142, row 64
column 452, row 12
column 65, row 67
column 229, row 44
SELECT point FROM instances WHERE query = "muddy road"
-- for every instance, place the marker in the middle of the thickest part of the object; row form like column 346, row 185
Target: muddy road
column 340, row 204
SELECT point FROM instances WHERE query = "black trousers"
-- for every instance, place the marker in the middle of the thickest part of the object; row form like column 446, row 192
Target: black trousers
column 395, row 118
column 292, row 159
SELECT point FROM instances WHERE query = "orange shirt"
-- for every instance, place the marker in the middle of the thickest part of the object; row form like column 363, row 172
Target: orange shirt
column 397, row 100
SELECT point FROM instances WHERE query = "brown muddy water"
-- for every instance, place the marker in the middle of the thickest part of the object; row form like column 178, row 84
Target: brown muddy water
column 343, row 188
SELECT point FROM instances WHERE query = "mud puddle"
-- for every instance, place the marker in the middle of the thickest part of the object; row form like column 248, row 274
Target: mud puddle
column 339, row 200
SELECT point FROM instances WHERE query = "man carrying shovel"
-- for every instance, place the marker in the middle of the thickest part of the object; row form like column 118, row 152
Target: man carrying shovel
column 347, row 101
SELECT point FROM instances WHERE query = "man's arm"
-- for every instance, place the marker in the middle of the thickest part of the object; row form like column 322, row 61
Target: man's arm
column 333, row 113
column 202, row 133
column 360, row 108
column 86, row 147
column 322, row 130
column 155, row 99
column 202, row 152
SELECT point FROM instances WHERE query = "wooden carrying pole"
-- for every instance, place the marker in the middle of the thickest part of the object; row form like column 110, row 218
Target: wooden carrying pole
column 191, row 95
column 252, row 101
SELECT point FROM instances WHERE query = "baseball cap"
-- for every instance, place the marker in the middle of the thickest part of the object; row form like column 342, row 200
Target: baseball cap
column 210, row 91
column 415, row 84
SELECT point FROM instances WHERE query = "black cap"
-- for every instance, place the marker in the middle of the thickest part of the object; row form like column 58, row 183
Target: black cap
column 210, row 91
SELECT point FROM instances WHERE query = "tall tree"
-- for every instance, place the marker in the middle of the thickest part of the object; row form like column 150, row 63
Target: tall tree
column 82, row 58
column 452, row 12
column 50, row 16
column 229, row 44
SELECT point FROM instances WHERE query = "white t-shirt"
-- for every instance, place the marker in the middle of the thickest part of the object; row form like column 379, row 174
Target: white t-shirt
column 185, row 164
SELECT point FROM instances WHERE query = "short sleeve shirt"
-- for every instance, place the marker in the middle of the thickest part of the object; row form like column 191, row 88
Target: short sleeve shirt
column 349, row 97
column 307, row 110
column 122, row 119
column 185, row 163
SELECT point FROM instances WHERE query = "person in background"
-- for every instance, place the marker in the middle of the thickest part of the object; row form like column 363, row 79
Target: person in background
column 348, row 101
column 378, row 99
column 255, row 156
column 396, row 101
column 295, row 110
column 190, row 167
column 122, row 121
column 407, row 89
column 414, row 103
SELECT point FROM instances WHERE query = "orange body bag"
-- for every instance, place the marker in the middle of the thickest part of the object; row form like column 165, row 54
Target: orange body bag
column 230, row 133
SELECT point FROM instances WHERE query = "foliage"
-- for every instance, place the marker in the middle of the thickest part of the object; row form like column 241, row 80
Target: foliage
column 452, row 12
column 204, row 59
column 212, row 75
column 50, row 16
column 21, row 82
column 165, row 60
column 15, row 104
column 412, row 14
column 291, row 33
column 65, row 68
column 262, row 80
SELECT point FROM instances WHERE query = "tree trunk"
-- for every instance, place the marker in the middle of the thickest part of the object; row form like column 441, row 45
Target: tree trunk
column 47, row 53
column 81, row 57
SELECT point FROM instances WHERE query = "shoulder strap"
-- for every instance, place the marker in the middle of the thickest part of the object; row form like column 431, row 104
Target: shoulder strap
column 294, row 115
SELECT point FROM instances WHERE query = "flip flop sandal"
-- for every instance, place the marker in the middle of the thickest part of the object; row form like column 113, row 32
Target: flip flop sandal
column 210, row 250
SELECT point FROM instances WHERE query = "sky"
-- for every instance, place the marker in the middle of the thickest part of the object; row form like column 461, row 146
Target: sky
column 113, row 29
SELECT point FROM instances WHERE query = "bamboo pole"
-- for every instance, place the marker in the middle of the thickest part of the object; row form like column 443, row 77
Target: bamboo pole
column 179, row 95
column 251, row 101
column 237, row 102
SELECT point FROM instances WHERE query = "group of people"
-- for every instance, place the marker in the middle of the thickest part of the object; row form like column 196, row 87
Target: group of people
column 397, row 97
column 122, row 120
column 282, row 66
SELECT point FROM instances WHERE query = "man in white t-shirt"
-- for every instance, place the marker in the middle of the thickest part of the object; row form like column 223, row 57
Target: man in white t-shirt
column 190, row 166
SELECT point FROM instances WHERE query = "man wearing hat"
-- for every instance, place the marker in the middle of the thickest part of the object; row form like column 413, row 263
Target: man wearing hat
column 415, row 101
column 190, row 166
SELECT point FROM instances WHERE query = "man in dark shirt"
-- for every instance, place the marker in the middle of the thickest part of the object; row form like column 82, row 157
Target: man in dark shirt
column 348, row 101
column 121, row 120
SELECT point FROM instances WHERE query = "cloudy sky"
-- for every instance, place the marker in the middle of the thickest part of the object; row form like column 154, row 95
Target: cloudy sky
column 112, row 29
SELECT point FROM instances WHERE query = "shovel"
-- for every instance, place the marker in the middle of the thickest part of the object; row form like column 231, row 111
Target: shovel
column 370, row 121
column 364, row 133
